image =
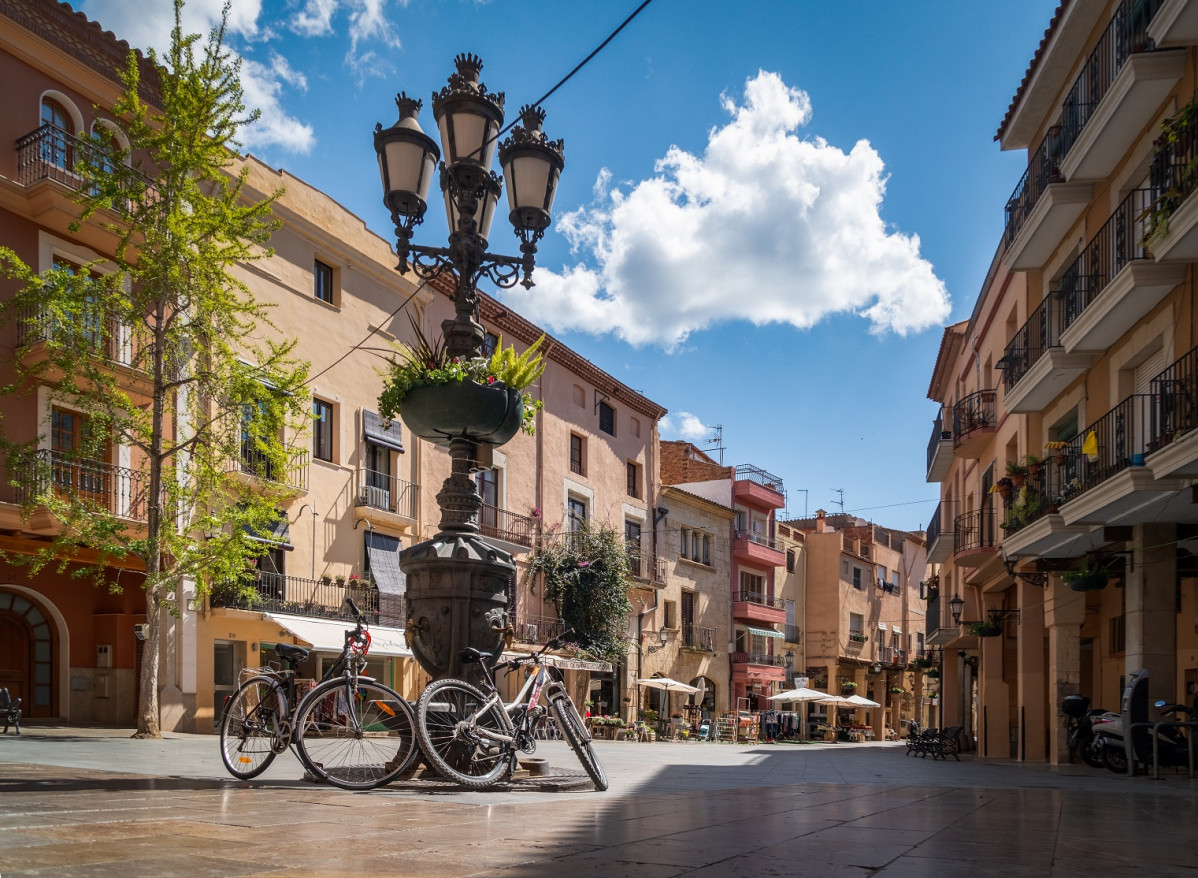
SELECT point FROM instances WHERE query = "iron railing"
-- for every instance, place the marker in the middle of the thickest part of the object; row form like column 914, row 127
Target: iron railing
column 1174, row 174
column 95, row 484
column 764, row 600
column 1175, row 401
column 322, row 598
column 538, row 629
column 973, row 412
column 643, row 564
column 1125, row 35
column 503, row 524
column 1043, row 168
column 938, row 435
column 1033, row 340
column 102, row 334
column 1116, row 244
column 1120, row 439
column 387, row 492
column 759, row 538
column 975, row 530
column 50, row 153
column 758, row 658
column 744, row 473
column 701, row 639
column 934, row 526
column 257, row 463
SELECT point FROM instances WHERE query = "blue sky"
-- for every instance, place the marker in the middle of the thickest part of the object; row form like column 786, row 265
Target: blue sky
column 769, row 209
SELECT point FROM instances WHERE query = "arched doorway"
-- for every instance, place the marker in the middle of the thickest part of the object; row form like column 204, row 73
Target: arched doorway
column 705, row 697
column 27, row 654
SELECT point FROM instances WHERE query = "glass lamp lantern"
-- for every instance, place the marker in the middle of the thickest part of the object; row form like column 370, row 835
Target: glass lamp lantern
column 407, row 160
column 468, row 116
column 532, row 166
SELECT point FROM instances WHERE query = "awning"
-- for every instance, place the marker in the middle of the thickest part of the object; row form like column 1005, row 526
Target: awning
column 767, row 632
column 278, row 535
column 565, row 664
column 896, row 629
column 881, row 626
column 383, row 552
column 328, row 635
column 382, row 433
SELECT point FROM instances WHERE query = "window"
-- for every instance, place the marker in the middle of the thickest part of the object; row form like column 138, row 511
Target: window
column 322, row 430
column 632, row 544
column 580, row 397
column 636, row 427
column 259, row 425
column 70, row 434
column 695, row 546
column 857, row 577
column 688, row 618
column 634, row 480
column 790, row 560
column 322, row 281
column 487, row 481
column 577, row 455
column 607, row 419
column 490, row 344
column 1117, row 633
column 377, row 491
column 856, row 624
column 707, row 550
column 576, row 513
column 752, row 587
column 56, row 143
column 671, row 614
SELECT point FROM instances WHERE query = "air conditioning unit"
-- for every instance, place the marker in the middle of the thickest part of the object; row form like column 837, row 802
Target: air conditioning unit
column 376, row 498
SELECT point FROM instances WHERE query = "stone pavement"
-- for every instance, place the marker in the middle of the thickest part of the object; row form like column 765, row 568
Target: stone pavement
column 84, row 802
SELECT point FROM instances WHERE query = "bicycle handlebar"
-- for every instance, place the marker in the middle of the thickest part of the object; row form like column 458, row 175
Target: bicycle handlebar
column 552, row 643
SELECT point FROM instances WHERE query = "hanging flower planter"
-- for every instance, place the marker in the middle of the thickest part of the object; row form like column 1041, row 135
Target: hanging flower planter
column 484, row 414
column 986, row 629
column 1091, row 577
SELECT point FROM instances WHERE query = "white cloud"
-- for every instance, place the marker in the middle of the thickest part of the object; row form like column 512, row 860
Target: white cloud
column 684, row 425
column 764, row 226
column 315, row 19
column 264, row 85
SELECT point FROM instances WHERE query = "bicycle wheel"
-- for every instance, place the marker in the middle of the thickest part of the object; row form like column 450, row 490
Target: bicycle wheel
column 459, row 750
column 580, row 742
column 251, row 728
column 355, row 737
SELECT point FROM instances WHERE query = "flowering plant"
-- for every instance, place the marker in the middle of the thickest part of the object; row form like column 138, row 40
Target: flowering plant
column 428, row 364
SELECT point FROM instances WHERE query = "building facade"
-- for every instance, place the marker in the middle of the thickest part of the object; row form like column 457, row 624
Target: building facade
column 1065, row 448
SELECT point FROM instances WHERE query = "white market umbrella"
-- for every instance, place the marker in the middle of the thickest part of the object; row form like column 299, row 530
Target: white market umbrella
column 862, row 701
column 837, row 701
column 800, row 694
column 668, row 685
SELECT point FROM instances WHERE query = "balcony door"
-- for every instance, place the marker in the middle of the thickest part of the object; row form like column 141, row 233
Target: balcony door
column 75, row 476
column 488, row 489
column 378, row 476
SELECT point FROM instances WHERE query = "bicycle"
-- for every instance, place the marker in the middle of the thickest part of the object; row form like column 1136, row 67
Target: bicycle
column 349, row 729
column 473, row 738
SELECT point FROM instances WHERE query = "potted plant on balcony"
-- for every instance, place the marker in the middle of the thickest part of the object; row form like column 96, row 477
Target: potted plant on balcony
column 481, row 399
column 1058, row 451
column 1034, row 464
column 340, row 580
column 1003, row 488
column 1091, row 576
column 325, row 579
column 1016, row 472
column 897, row 690
column 848, row 686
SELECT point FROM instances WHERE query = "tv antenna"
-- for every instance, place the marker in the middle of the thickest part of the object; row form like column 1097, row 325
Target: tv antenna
column 840, row 502
column 717, row 442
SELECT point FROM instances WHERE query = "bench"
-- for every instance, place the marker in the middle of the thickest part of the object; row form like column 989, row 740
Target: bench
column 938, row 743
column 10, row 711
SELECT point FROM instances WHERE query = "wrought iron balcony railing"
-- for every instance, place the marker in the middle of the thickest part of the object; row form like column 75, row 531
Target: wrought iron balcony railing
column 1116, row 244
column 321, row 598
column 756, row 597
column 1041, row 332
column 1125, row 35
column 538, row 629
column 387, row 492
column 758, row 538
column 93, row 483
column 977, row 529
column 50, row 153
column 643, row 564
column 1174, row 174
column 938, row 435
column 744, row 472
column 758, row 658
column 503, row 524
column 101, row 334
column 254, row 462
column 1175, row 401
column 699, row 639
column 973, row 412
column 934, row 526
column 1044, row 168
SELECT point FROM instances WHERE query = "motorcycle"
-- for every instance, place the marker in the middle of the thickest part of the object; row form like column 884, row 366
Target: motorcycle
column 1080, row 723
column 1172, row 744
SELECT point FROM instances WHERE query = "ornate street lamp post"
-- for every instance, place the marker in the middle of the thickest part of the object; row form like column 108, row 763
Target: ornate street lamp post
column 457, row 583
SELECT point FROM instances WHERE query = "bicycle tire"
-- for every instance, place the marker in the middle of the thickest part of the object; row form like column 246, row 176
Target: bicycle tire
column 357, row 737
column 474, row 764
column 574, row 731
column 250, row 727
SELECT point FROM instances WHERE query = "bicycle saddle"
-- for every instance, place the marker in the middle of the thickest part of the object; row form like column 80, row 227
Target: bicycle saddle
column 470, row 655
column 291, row 652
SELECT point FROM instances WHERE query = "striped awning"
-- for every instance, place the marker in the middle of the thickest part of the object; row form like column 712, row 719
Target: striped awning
column 767, row 632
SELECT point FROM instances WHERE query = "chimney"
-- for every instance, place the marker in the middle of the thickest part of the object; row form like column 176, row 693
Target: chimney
column 821, row 521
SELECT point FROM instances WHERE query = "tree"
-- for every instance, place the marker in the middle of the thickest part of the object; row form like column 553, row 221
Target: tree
column 585, row 573
column 163, row 351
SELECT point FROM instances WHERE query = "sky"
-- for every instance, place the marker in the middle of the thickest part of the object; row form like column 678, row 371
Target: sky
column 769, row 211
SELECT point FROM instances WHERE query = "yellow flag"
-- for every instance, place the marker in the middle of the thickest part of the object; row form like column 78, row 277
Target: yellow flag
column 1090, row 447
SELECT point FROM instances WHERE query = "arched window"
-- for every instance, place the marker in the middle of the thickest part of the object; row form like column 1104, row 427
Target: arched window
column 56, row 134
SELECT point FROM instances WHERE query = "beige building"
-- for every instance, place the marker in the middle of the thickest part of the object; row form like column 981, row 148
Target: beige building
column 1081, row 353
column 864, row 622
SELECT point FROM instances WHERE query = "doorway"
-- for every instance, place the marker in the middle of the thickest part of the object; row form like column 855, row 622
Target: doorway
column 27, row 655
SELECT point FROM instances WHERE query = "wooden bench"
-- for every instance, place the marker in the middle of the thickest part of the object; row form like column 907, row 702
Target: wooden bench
column 10, row 711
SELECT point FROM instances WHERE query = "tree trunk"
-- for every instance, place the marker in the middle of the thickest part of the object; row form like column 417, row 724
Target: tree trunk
column 148, row 723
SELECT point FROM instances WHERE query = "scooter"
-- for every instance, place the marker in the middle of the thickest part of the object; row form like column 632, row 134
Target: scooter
column 1172, row 744
column 1080, row 721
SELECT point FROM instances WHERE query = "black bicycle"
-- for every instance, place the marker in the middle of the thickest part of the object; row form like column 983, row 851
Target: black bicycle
column 349, row 729
column 471, row 737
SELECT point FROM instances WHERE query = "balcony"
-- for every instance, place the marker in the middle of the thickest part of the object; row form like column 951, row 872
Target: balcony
column 1118, row 92
column 257, row 464
column 646, row 566
column 976, row 537
column 1173, row 440
column 1172, row 227
column 509, row 527
column 1175, row 24
column 975, row 418
column 793, row 634
column 102, row 335
column 386, row 500
column 1112, row 485
column 940, row 541
column 753, row 546
column 755, row 487
column 751, row 606
column 698, row 639
column 892, row 655
column 1113, row 283
column 758, row 667
column 940, row 452
column 321, row 598
column 1036, row 368
column 538, row 629
column 1042, row 208
column 93, row 484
